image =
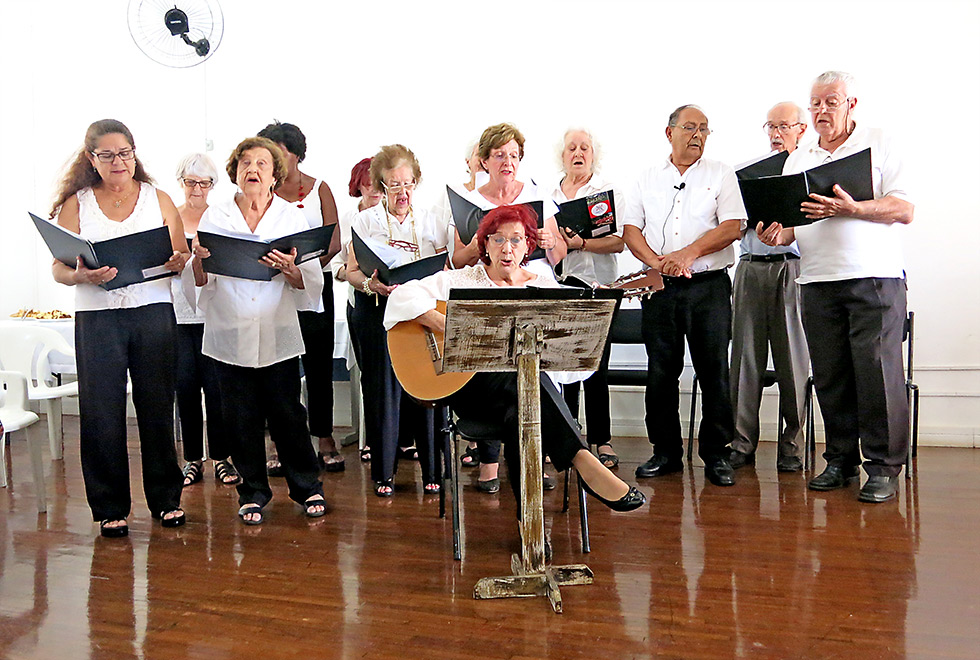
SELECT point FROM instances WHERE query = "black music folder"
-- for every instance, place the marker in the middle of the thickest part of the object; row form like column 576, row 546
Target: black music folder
column 368, row 262
column 237, row 256
column 467, row 215
column 768, row 165
column 137, row 257
column 591, row 216
column 770, row 199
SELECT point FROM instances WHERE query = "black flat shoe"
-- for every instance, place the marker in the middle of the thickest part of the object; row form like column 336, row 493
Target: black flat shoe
column 878, row 488
column 658, row 466
column 833, row 477
column 113, row 532
column 489, row 486
column 634, row 499
column 719, row 472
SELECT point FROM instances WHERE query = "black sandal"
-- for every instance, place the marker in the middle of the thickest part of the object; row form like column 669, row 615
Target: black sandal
column 384, row 488
column 470, row 457
column 365, row 454
column 315, row 501
column 174, row 521
column 251, row 509
column 432, row 488
column 331, row 461
column 273, row 468
column 408, row 453
column 608, row 460
column 116, row 532
column 223, row 470
column 193, row 472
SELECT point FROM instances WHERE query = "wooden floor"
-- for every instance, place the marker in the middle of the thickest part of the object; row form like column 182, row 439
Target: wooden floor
column 766, row 569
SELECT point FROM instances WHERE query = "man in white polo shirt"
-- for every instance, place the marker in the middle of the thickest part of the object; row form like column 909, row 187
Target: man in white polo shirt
column 681, row 219
column 853, row 291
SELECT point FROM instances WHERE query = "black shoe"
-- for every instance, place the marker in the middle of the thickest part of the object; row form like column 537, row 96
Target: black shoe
column 489, row 486
column 878, row 488
column 789, row 464
column 833, row 477
column 658, row 466
column 739, row 460
column 548, row 482
column 113, row 532
column 633, row 499
column 719, row 472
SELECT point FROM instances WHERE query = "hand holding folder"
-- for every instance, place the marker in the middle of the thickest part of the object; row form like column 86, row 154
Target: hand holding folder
column 242, row 257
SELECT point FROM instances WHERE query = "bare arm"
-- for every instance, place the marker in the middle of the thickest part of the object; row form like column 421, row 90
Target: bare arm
column 433, row 320
column 68, row 218
column 554, row 247
column 357, row 279
column 633, row 237
column 328, row 209
column 678, row 263
column 886, row 210
column 464, row 255
column 775, row 234
column 603, row 245
column 171, row 218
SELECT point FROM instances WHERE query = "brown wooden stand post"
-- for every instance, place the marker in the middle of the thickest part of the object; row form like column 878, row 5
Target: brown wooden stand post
column 532, row 577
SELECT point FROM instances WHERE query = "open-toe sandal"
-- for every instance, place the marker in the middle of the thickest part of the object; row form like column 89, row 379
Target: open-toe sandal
column 432, row 488
column 193, row 472
column 273, row 468
column 226, row 473
column 384, row 488
column 251, row 509
column 408, row 453
column 365, row 454
column 176, row 519
column 114, row 532
column 315, row 507
column 608, row 460
column 470, row 457
column 331, row 461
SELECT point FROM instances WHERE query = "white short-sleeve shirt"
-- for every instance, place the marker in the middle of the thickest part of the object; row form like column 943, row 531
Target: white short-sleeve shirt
column 844, row 248
column 673, row 210
column 589, row 266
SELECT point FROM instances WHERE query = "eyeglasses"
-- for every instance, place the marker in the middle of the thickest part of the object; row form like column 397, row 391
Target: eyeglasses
column 398, row 187
column 203, row 185
column 769, row 127
column 832, row 102
column 109, row 156
column 515, row 241
column 691, row 130
column 501, row 157
column 404, row 245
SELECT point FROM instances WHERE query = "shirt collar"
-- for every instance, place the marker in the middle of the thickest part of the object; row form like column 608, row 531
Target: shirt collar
column 853, row 141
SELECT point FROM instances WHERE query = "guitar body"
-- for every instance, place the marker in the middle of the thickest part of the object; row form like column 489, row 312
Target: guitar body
column 414, row 350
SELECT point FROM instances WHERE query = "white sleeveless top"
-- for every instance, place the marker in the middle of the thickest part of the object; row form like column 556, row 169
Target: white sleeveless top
column 93, row 225
column 310, row 206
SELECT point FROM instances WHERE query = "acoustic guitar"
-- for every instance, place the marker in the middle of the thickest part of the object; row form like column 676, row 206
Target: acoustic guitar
column 416, row 351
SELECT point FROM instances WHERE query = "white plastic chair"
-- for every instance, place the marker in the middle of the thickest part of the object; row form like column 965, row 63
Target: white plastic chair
column 26, row 349
column 15, row 417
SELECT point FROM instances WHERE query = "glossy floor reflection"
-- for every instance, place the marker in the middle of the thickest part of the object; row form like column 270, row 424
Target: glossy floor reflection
column 766, row 569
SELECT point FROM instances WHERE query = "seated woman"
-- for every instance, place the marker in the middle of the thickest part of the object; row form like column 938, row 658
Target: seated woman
column 506, row 237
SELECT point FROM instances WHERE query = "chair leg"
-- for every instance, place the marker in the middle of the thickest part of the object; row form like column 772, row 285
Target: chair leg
column 913, row 395
column 457, row 525
column 810, row 437
column 694, row 410
column 34, row 444
column 3, row 459
column 564, row 503
column 56, row 436
column 583, row 512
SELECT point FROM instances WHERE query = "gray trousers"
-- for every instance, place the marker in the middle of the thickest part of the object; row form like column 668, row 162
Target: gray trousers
column 766, row 312
column 854, row 329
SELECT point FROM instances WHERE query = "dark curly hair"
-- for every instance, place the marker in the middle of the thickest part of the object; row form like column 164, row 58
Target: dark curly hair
column 288, row 135
column 81, row 174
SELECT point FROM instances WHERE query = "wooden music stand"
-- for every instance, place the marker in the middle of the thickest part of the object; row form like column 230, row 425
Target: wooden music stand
column 527, row 330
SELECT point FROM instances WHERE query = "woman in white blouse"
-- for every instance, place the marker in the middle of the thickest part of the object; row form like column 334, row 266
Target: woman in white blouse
column 505, row 238
column 252, row 331
column 388, row 412
column 106, row 194
column 590, row 260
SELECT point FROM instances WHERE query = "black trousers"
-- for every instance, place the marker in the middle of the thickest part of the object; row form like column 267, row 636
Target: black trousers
column 596, row 389
column 253, row 397
column 109, row 343
column 854, row 331
column 491, row 398
column 317, row 329
column 195, row 372
column 388, row 412
column 700, row 310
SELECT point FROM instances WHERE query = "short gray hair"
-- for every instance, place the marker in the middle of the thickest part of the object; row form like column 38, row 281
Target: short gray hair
column 596, row 147
column 197, row 165
column 830, row 77
column 672, row 120
column 801, row 115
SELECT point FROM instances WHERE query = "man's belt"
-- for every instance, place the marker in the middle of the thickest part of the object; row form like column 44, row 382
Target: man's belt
column 769, row 258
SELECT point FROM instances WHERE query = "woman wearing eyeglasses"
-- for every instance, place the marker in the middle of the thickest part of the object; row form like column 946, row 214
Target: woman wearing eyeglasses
column 504, row 240
column 107, row 193
column 500, row 151
column 388, row 411
column 312, row 196
column 197, row 175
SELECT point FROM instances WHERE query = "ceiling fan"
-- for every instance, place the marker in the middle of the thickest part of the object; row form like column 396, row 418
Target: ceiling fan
column 176, row 33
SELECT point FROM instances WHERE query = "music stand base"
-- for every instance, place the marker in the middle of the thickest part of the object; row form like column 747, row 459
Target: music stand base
column 535, row 584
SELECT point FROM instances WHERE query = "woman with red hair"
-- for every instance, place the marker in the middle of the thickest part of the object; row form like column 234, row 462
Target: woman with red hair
column 507, row 235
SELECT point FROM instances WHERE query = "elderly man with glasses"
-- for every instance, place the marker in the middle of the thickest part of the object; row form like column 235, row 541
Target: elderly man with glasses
column 853, row 292
column 681, row 219
column 766, row 312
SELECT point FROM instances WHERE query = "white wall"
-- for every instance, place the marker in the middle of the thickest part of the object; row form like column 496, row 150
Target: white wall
column 433, row 75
